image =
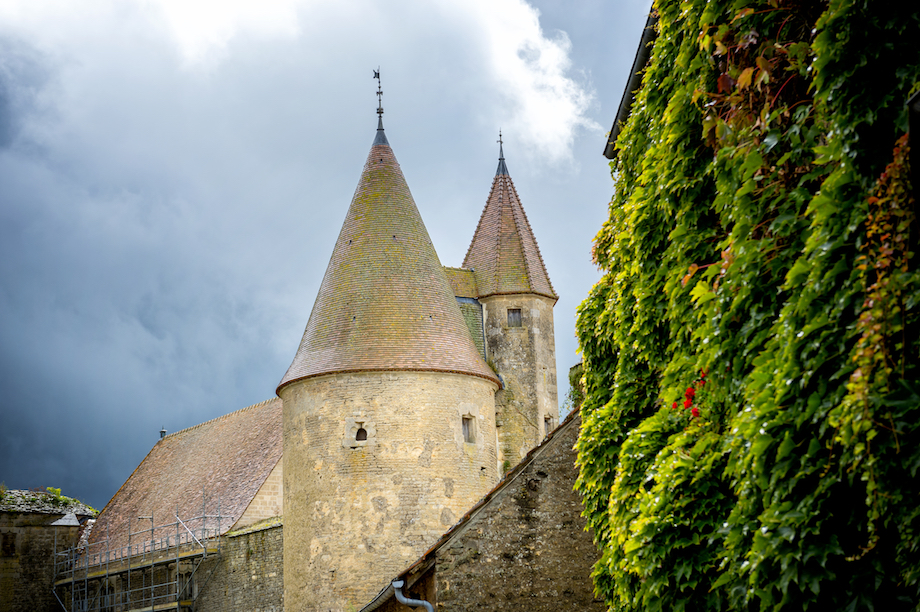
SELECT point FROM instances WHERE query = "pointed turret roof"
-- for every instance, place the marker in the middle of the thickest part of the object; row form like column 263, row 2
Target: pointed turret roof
column 385, row 302
column 504, row 253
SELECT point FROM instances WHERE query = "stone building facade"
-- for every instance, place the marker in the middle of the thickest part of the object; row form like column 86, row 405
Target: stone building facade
column 248, row 574
column 32, row 525
column 522, row 548
column 414, row 389
column 388, row 354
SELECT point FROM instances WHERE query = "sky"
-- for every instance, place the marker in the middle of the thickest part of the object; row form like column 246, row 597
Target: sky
column 174, row 173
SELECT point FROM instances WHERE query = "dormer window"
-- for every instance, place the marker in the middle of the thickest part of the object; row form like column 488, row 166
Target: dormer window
column 514, row 317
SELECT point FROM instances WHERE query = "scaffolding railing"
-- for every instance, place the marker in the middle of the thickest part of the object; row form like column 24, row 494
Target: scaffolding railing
column 157, row 569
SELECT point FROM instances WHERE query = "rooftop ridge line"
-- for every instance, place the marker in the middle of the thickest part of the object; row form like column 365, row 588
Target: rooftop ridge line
column 469, row 249
column 535, row 243
column 223, row 416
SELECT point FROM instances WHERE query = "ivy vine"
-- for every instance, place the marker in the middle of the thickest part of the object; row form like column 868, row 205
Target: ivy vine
column 751, row 420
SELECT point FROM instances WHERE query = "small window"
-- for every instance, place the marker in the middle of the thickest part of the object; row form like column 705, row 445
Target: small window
column 359, row 433
column 468, row 433
column 514, row 317
column 547, row 425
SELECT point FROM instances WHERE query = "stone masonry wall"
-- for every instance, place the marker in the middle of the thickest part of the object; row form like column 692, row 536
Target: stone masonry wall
column 525, row 357
column 269, row 501
column 356, row 512
column 26, row 560
column 249, row 576
column 246, row 576
column 527, row 550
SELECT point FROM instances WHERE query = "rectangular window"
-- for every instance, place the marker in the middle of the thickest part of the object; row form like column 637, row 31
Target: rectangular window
column 547, row 425
column 468, row 434
column 514, row 317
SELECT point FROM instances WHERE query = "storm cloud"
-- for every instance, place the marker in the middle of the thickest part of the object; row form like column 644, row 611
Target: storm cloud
column 173, row 175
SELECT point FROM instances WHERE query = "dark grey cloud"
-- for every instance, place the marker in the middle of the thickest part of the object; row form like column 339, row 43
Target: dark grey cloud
column 165, row 223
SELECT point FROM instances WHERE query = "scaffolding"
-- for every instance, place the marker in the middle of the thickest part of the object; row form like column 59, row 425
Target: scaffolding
column 160, row 567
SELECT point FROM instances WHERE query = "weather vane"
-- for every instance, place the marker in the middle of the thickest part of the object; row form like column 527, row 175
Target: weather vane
column 379, row 92
column 501, row 152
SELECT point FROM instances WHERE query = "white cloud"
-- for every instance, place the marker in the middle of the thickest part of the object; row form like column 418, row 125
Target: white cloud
column 525, row 76
column 203, row 28
column 546, row 106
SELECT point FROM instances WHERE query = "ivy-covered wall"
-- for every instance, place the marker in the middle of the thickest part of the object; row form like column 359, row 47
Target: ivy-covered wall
column 751, row 425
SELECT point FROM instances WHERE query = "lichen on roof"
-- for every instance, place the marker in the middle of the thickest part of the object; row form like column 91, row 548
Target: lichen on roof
column 47, row 501
column 214, row 468
column 275, row 521
column 385, row 302
column 504, row 252
column 462, row 281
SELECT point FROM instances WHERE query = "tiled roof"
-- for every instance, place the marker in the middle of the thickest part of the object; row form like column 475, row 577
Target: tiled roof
column 463, row 282
column 226, row 459
column 504, row 253
column 385, row 302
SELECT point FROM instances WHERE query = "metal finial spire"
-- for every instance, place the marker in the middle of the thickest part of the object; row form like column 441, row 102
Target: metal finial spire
column 502, row 168
column 381, row 136
column 379, row 93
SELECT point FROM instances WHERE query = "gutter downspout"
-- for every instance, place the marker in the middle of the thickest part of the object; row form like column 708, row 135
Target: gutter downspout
column 412, row 603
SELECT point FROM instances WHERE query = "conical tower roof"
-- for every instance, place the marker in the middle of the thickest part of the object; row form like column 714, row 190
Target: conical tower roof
column 385, row 302
column 504, row 253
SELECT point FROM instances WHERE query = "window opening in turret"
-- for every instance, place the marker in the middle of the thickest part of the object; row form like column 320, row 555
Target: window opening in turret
column 514, row 317
column 468, row 429
column 547, row 425
column 361, row 435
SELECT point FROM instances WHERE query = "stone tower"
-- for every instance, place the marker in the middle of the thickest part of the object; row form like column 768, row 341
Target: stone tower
column 517, row 298
column 389, row 409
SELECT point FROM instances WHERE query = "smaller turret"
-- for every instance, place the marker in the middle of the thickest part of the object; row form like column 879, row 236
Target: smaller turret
column 517, row 300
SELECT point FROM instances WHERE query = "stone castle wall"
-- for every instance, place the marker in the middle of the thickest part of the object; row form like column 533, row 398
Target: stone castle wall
column 269, row 501
column 26, row 560
column 387, row 498
column 528, row 550
column 525, row 357
column 244, row 575
column 525, row 549
column 249, row 574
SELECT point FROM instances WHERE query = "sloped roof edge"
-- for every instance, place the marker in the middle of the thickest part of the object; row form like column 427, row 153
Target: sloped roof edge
column 649, row 33
column 427, row 559
column 504, row 251
column 223, row 416
column 128, row 479
column 161, row 486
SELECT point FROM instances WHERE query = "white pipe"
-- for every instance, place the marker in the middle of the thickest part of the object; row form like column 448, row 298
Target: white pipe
column 412, row 603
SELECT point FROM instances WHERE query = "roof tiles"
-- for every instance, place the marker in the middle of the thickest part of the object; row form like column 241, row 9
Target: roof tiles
column 385, row 302
column 463, row 282
column 224, row 460
column 504, row 252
